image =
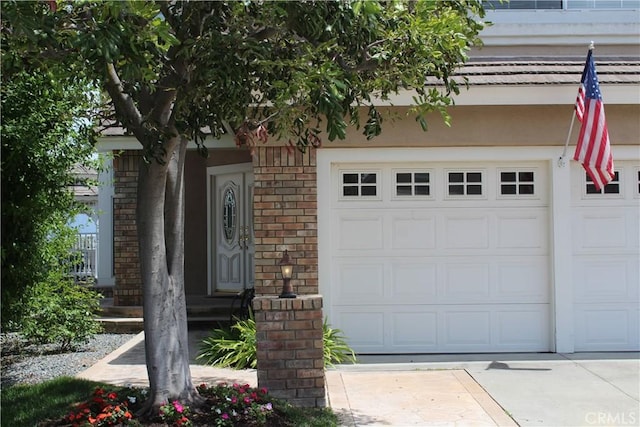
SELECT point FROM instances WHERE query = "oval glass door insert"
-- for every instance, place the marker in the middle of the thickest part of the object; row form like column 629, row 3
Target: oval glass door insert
column 229, row 212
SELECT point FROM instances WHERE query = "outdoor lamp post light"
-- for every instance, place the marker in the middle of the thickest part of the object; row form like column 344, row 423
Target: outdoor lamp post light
column 287, row 272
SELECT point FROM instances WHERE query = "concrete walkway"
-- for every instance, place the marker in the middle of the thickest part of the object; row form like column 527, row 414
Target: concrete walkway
column 446, row 390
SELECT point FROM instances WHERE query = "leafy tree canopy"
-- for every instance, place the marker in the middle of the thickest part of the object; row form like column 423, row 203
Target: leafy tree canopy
column 43, row 139
column 297, row 67
column 176, row 71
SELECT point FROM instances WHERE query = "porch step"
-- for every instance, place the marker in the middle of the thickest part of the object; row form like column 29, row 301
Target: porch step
column 202, row 313
column 133, row 325
column 121, row 325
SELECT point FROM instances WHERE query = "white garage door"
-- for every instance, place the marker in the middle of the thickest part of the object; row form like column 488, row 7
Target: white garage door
column 441, row 257
column 606, row 260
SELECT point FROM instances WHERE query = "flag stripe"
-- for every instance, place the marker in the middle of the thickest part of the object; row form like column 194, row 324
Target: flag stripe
column 593, row 149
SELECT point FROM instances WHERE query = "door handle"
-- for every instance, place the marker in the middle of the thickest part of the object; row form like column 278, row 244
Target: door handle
column 244, row 237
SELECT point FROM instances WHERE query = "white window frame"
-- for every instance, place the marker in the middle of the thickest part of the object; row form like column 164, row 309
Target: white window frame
column 359, row 184
column 431, row 184
column 517, row 196
column 483, row 184
column 601, row 195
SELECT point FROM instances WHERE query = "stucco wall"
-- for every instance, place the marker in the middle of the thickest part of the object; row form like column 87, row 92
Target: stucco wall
column 519, row 125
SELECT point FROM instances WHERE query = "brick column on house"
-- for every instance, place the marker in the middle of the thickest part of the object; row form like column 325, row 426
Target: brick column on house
column 289, row 331
column 128, row 285
column 285, row 217
column 289, row 348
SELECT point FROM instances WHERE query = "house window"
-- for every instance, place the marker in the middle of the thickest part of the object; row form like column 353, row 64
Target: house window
column 559, row 4
column 517, row 183
column 359, row 184
column 612, row 187
column 601, row 4
column 413, row 183
column 464, row 183
column 522, row 4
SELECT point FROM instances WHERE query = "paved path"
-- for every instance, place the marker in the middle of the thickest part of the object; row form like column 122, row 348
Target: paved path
column 446, row 390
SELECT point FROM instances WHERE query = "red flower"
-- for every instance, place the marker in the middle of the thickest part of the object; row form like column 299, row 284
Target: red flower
column 112, row 396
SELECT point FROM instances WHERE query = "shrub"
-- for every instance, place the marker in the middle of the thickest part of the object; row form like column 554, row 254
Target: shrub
column 335, row 347
column 61, row 312
column 235, row 347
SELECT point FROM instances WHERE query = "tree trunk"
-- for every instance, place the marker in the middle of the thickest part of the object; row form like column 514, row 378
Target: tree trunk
column 160, row 221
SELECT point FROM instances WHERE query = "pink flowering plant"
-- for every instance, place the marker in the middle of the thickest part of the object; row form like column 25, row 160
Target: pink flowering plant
column 175, row 414
column 223, row 405
column 237, row 404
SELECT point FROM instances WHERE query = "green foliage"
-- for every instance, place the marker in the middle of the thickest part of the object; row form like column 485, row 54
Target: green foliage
column 298, row 68
column 43, row 138
column 236, row 347
column 55, row 402
column 60, row 312
column 27, row 405
column 233, row 347
column 335, row 347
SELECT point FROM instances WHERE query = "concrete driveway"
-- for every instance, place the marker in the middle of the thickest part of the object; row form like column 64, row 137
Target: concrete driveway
column 582, row 389
column 562, row 390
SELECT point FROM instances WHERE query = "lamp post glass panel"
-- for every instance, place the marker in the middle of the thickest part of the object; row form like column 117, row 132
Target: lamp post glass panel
column 286, row 268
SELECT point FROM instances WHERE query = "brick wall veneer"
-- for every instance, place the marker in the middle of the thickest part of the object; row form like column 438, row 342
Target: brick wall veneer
column 289, row 348
column 128, row 286
column 285, row 217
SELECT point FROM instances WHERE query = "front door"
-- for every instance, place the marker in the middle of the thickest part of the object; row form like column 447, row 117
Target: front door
column 231, row 237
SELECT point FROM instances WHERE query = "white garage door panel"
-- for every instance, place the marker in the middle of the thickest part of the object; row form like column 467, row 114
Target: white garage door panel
column 365, row 328
column 442, row 280
column 441, row 272
column 600, row 228
column 466, row 232
column 360, row 232
column 606, row 254
column 413, row 232
column 607, row 327
column 477, row 232
column 441, row 328
column 415, row 328
column 521, row 230
column 606, row 280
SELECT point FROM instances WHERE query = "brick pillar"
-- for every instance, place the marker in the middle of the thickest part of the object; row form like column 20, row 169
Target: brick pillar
column 285, row 217
column 289, row 348
column 128, row 286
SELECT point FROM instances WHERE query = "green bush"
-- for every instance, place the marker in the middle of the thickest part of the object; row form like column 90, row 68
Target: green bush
column 235, row 347
column 58, row 311
column 335, row 347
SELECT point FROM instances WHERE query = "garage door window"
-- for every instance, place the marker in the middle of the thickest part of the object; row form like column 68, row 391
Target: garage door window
column 517, row 183
column 412, row 184
column 359, row 184
column 463, row 184
column 612, row 187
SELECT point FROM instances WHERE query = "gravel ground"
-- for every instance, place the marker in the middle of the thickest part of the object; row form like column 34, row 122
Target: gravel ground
column 31, row 364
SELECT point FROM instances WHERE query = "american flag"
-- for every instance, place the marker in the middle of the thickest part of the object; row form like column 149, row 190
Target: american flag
column 593, row 149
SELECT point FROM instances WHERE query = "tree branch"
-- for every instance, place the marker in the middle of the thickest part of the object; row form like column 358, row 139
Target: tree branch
column 369, row 64
column 123, row 103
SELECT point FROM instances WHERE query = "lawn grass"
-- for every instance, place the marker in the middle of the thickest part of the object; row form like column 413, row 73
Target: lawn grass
column 28, row 405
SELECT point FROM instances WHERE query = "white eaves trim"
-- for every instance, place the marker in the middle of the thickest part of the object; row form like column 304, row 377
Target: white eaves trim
column 561, row 27
column 527, row 95
column 127, row 142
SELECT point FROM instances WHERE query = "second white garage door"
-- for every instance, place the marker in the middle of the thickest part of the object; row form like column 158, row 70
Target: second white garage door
column 441, row 257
